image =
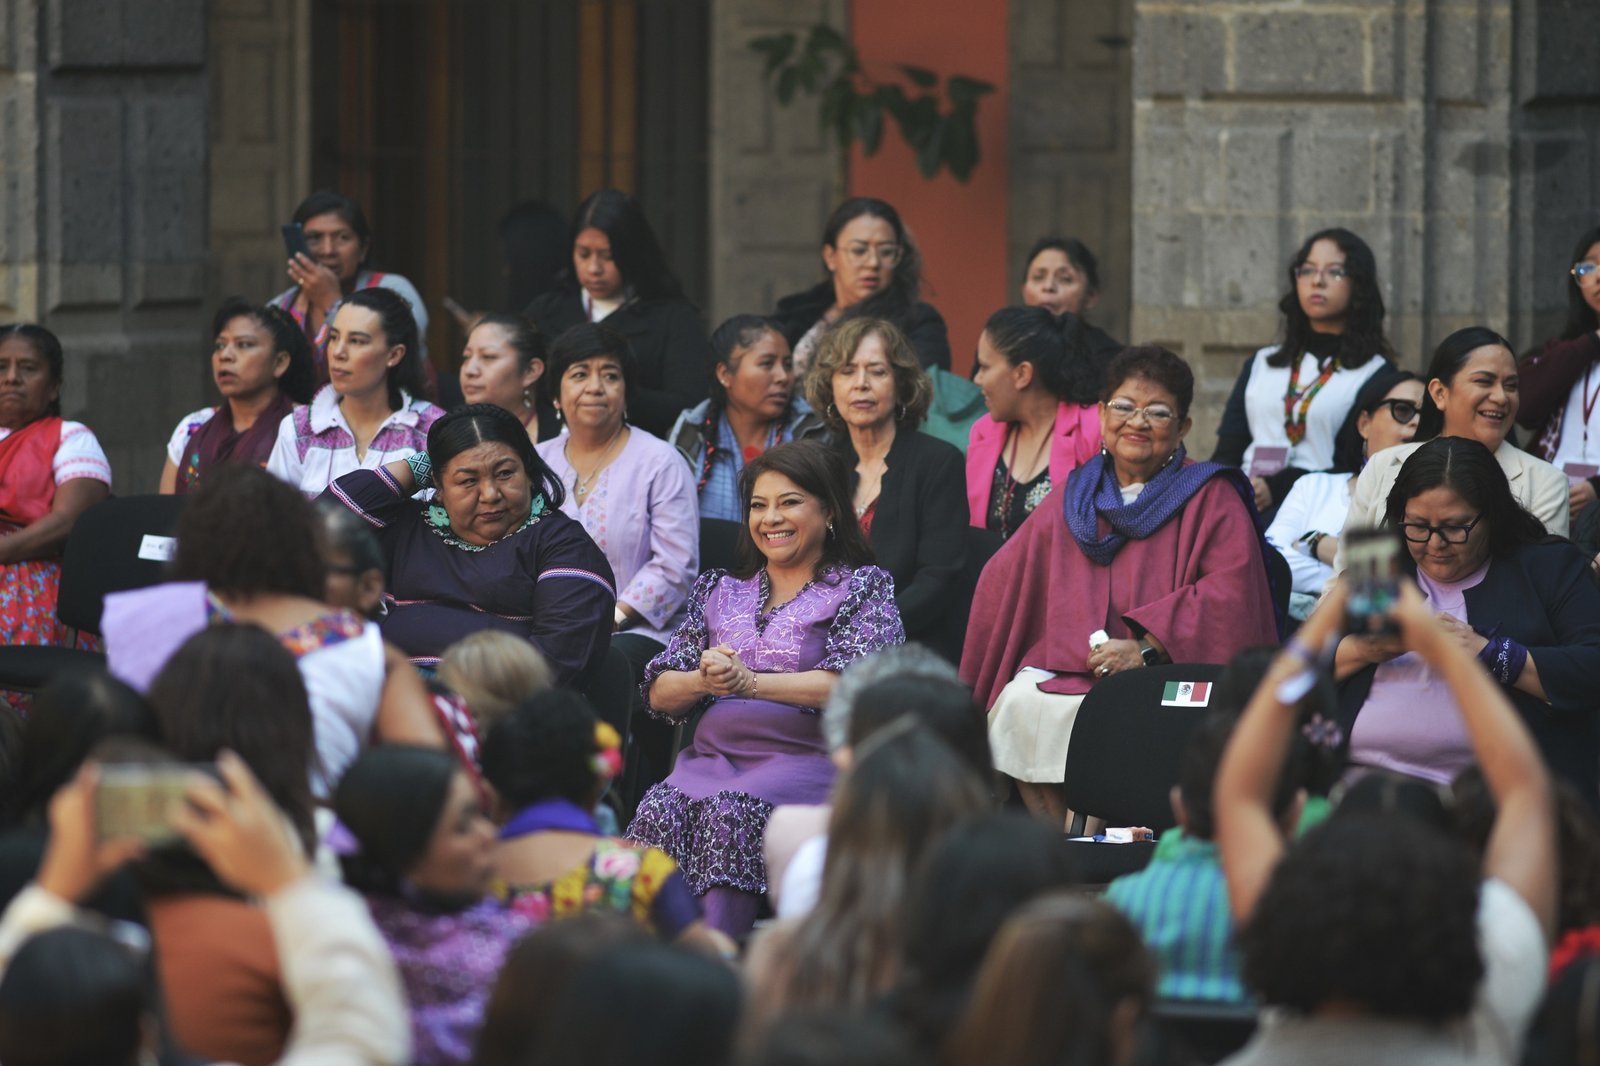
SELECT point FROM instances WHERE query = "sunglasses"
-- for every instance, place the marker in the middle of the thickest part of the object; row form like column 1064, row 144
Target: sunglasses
column 1402, row 411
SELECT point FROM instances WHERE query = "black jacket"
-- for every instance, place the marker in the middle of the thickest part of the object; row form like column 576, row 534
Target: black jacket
column 668, row 341
column 921, row 323
column 1544, row 598
column 919, row 535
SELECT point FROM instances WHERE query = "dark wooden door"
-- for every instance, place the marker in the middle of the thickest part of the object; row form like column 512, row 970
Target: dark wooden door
column 439, row 115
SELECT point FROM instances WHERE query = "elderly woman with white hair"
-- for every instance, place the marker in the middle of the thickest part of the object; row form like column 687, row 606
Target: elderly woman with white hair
column 871, row 692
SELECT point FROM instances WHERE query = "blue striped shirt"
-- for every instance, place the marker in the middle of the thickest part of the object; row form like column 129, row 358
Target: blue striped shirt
column 1179, row 903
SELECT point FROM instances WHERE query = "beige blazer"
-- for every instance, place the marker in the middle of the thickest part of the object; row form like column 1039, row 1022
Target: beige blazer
column 1535, row 484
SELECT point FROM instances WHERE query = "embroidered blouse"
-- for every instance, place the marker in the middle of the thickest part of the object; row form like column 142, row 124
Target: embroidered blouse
column 315, row 445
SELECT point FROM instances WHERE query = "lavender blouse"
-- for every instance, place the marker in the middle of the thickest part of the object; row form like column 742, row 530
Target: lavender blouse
column 644, row 514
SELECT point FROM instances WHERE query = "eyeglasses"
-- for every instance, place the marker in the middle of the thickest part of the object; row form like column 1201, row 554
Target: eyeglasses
column 1336, row 272
column 1584, row 269
column 1421, row 532
column 1159, row 416
column 1402, row 411
column 886, row 254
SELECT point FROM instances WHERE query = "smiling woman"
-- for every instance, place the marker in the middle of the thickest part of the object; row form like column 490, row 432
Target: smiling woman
column 1473, row 391
column 493, row 551
column 760, row 648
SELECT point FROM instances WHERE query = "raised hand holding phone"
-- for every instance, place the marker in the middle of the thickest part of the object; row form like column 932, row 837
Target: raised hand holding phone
column 77, row 859
column 242, row 835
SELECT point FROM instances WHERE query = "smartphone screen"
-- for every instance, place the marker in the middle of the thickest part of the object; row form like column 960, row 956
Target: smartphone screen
column 294, row 240
column 1372, row 571
column 135, row 799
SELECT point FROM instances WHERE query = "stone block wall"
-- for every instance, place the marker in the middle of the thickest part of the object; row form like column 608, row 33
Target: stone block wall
column 103, row 145
column 1458, row 138
column 774, row 175
column 1071, row 150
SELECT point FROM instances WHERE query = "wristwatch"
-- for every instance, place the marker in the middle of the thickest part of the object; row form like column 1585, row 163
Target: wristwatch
column 1148, row 653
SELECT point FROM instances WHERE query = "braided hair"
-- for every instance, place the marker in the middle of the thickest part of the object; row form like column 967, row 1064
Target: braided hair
column 738, row 332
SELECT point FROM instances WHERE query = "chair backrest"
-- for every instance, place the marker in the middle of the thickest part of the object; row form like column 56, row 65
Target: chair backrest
column 717, row 538
column 1210, row 1032
column 1126, row 746
column 610, row 688
column 118, row 544
column 1280, row 578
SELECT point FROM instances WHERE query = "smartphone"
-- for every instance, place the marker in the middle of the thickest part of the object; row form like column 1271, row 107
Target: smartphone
column 136, row 799
column 1372, row 571
column 294, row 240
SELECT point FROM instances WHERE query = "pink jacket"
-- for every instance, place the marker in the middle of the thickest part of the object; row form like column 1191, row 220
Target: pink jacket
column 1077, row 439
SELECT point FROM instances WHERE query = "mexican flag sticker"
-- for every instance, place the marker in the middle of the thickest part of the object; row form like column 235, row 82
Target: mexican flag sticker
column 1186, row 694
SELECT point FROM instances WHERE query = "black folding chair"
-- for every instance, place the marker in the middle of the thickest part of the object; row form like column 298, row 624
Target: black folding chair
column 118, row 544
column 1123, row 761
column 717, row 539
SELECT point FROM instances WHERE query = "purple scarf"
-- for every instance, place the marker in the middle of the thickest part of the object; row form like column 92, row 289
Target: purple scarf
column 217, row 442
column 1093, row 493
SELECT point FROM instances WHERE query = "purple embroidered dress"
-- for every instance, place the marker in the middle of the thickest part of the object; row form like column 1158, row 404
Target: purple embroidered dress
column 750, row 755
column 448, row 963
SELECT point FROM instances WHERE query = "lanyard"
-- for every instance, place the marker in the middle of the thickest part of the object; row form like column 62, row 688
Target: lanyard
column 1294, row 421
column 1589, row 401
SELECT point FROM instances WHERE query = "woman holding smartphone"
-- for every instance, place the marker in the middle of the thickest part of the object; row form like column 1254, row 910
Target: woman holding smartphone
column 1523, row 603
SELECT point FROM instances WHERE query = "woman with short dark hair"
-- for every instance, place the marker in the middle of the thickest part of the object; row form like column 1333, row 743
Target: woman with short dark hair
column 1126, row 565
column 874, row 271
column 262, row 365
column 760, row 647
column 619, row 275
column 907, row 486
column 492, row 551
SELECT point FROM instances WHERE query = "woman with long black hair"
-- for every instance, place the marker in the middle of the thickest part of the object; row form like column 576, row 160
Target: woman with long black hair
column 620, row 276
column 1293, row 396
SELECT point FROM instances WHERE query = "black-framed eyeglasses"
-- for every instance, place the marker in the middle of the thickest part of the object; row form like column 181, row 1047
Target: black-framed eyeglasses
column 1402, row 411
column 1334, row 273
column 1421, row 532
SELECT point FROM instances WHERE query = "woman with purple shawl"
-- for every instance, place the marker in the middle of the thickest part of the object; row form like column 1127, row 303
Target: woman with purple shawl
column 1160, row 553
column 760, row 648
column 262, row 364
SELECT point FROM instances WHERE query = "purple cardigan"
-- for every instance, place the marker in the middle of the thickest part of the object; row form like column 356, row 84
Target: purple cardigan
column 644, row 513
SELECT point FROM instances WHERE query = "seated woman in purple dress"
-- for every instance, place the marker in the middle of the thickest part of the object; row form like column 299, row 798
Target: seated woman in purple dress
column 492, row 551
column 422, row 857
column 761, row 648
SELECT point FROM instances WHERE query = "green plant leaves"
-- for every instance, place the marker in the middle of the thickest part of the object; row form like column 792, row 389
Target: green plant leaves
column 853, row 105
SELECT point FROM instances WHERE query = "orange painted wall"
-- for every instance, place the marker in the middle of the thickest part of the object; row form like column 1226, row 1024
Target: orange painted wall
column 961, row 228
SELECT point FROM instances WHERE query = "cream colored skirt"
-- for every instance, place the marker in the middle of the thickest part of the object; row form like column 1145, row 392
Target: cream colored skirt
column 1029, row 730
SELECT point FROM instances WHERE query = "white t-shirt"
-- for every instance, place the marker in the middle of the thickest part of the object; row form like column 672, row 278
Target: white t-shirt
column 1263, row 406
column 802, row 879
column 78, row 455
column 1515, row 958
column 1580, row 443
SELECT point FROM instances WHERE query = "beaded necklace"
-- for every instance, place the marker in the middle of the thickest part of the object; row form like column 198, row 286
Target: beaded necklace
column 1294, row 420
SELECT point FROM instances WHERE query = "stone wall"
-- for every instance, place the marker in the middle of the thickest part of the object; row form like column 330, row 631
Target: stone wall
column 1071, row 144
column 1451, row 135
column 774, row 175
column 103, row 146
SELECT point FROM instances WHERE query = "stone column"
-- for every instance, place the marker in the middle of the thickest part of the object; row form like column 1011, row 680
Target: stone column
column 774, row 175
column 104, row 141
column 1431, row 129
